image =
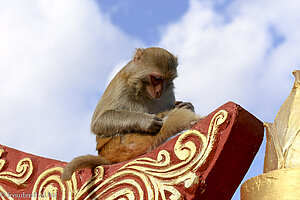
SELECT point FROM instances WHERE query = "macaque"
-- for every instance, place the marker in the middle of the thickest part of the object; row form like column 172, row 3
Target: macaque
column 137, row 111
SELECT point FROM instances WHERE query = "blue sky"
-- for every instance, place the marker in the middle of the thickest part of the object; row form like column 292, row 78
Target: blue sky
column 143, row 19
column 56, row 58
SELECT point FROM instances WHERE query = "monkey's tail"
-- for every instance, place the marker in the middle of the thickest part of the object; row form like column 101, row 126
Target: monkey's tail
column 87, row 161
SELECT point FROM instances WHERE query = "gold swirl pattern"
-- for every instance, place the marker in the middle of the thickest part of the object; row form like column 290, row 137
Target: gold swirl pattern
column 24, row 170
column 48, row 183
column 143, row 178
column 50, row 186
column 147, row 178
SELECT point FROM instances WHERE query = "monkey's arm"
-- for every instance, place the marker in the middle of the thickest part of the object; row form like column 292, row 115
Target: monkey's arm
column 113, row 122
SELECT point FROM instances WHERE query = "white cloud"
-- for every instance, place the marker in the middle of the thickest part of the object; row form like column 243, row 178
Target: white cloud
column 55, row 56
column 235, row 55
column 245, row 54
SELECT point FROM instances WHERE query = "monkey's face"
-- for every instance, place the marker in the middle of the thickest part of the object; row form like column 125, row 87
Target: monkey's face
column 156, row 86
column 154, row 69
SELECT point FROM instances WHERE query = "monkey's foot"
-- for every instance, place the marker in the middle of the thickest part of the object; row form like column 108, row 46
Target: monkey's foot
column 207, row 162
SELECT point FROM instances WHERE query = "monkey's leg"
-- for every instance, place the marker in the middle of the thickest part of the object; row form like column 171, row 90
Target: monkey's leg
column 131, row 145
column 178, row 119
column 125, row 147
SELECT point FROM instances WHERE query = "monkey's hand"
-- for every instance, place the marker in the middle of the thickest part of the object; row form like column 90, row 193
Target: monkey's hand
column 152, row 123
column 186, row 105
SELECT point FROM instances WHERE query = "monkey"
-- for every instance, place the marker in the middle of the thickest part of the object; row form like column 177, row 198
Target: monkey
column 125, row 147
column 137, row 112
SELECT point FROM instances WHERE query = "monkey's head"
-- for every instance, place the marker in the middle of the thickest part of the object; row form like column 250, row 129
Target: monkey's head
column 156, row 69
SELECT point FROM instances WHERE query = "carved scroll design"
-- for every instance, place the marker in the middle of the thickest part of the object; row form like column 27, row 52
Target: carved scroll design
column 147, row 178
column 23, row 171
column 143, row 178
column 50, row 186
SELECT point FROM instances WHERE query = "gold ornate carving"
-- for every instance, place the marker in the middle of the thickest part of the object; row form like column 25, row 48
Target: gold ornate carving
column 98, row 171
column 160, row 178
column 142, row 178
column 49, row 186
column 24, row 170
column 2, row 162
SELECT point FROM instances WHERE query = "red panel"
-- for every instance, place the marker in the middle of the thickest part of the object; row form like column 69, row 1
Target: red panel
column 204, row 164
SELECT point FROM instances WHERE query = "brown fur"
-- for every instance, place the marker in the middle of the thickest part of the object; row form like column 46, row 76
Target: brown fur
column 125, row 147
column 137, row 111
column 125, row 106
column 87, row 161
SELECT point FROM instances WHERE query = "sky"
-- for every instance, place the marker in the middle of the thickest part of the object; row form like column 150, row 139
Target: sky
column 57, row 57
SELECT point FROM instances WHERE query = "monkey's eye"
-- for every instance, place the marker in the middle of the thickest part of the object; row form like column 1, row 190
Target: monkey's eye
column 156, row 80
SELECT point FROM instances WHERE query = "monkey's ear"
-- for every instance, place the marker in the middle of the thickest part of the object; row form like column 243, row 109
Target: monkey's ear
column 138, row 54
